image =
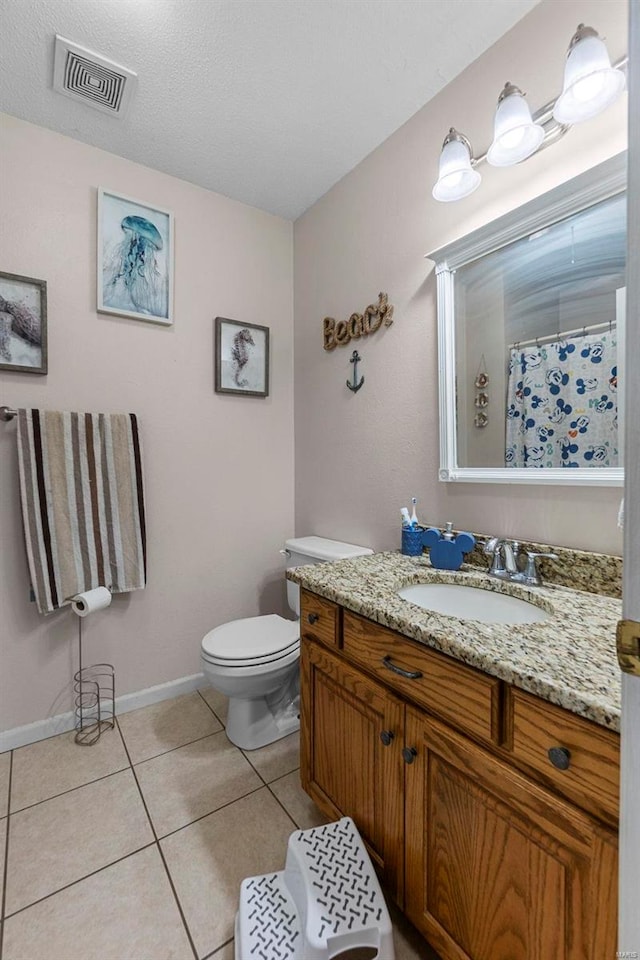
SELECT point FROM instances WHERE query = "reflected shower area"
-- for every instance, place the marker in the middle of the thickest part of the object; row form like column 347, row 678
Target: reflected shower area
column 540, row 346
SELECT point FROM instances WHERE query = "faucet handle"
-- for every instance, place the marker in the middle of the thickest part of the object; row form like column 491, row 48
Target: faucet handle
column 490, row 545
column 531, row 574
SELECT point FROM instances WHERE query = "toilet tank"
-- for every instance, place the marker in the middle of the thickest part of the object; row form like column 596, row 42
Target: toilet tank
column 304, row 550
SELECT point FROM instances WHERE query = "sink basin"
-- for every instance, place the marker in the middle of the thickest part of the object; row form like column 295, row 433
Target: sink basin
column 472, row 603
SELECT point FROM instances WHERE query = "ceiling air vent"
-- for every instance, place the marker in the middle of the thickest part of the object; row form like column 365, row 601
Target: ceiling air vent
column 96, row 81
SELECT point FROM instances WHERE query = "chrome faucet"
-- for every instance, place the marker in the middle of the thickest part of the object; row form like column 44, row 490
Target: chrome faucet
column 530, row 574
column 504, row 554
column 504, row 562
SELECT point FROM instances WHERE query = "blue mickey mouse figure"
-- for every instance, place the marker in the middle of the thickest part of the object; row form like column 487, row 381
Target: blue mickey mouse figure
column 564, row 348
column 580, row 424
column 556, row 379
column 603, row 404
column 567, row 448
column 446, row 552
column 582, row 385
column 598, row 454
column 533, row 455
column 594, row 352
column 562, row 410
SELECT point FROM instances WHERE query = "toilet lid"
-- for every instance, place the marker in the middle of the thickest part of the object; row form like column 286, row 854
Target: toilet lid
column 254, row 638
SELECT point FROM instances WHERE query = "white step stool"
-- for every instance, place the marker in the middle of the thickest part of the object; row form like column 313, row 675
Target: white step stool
column 327, row 900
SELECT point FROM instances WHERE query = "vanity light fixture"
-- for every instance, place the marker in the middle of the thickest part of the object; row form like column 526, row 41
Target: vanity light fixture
column 591, row 84
column 456, row 176
column 515, row 135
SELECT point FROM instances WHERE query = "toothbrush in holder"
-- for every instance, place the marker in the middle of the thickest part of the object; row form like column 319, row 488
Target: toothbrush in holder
column 414, row 518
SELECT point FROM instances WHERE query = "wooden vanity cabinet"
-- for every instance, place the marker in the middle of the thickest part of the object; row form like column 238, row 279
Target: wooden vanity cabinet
column 352, row 738
column 498, row 868
column 488, row 860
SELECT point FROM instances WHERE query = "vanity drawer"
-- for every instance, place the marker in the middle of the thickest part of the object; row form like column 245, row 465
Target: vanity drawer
column 319, row 619
column 450, row 690
column 592, row 776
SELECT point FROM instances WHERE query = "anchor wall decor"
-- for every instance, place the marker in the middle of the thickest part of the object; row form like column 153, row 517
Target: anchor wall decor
column 354, row 385
column 340, row 333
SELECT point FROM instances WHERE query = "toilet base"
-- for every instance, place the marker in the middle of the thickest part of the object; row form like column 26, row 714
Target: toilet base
column 255, row 723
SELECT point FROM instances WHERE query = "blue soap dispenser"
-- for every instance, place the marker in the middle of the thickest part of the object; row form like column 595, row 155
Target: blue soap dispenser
column 446, row 551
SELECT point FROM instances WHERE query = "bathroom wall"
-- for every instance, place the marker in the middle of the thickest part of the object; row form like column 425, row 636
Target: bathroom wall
column 360, row 457
column 219, row 469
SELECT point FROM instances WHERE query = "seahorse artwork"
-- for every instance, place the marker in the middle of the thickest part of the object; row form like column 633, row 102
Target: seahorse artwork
column 16, row 318
column 240, row 354
column 131, row 276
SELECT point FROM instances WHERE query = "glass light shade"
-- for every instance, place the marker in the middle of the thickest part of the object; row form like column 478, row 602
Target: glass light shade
column 591, row 84
column 515, row 135
column 456, row 176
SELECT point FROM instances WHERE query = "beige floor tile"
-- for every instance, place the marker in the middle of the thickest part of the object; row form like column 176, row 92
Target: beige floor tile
column 296, row 802
column 164, row 726
column 209, row 859
column 218, row 703
column 225, row 953
column 192, row 781
column 126, row 912
column 59, row 841
column 44, row 769
column 277, row 758
column 5, row 765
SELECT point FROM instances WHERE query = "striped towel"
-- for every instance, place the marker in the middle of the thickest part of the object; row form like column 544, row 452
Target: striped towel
column 82, row 503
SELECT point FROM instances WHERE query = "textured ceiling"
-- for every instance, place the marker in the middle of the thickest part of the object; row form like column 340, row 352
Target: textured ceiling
column 270, row 102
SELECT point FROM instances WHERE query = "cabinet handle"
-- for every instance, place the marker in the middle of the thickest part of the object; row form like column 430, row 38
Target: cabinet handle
column 313, row 617
column 409, row 754
column 387, row 736
column 409, row 674
column 560, row 757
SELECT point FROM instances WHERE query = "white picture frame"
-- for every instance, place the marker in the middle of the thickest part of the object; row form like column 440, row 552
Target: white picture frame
column 135, row 258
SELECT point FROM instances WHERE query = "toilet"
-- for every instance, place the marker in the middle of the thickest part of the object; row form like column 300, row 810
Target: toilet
column 255, row 661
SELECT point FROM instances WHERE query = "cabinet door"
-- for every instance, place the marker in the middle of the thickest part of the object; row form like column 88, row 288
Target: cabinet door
column 351, row 763
column 497, row 868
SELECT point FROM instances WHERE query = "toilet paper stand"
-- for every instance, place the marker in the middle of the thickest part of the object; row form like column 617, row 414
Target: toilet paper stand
column 95, row 691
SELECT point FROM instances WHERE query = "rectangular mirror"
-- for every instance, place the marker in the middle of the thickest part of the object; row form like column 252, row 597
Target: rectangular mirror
column 531, row 313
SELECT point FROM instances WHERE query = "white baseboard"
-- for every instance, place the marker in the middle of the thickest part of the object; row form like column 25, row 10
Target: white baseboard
column 41, row 729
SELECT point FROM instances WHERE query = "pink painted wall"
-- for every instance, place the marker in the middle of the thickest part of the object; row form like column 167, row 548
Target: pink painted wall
column 219, row 469
column 360, row 457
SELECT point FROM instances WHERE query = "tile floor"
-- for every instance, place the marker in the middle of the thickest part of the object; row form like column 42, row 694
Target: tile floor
column 134, row 849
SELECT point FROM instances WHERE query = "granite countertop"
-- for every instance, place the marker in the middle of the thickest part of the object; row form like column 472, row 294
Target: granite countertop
column 569, row 659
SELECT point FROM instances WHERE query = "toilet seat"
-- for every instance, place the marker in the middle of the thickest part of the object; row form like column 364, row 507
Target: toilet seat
column 252, row 641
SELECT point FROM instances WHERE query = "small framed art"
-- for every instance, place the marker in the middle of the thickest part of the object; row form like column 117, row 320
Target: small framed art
column 23, row 324
column 135, row 259
column 242, row 358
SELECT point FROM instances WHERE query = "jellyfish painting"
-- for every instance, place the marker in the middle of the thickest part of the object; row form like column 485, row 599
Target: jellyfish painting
column 240, row 354
column 135, row 258
column 131, row 276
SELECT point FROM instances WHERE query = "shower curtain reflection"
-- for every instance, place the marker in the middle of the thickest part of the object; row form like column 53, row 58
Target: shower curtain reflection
column 562, row 407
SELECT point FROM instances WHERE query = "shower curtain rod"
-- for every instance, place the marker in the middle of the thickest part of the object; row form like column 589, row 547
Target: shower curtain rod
column 562, row 335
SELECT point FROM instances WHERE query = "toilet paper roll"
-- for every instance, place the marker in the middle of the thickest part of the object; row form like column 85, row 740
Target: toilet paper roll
column 91, row 600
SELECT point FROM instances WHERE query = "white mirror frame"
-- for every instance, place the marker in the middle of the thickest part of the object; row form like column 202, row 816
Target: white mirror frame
column 606, row 180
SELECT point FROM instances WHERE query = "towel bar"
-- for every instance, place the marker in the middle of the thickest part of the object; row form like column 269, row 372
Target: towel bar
column 7, row 414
